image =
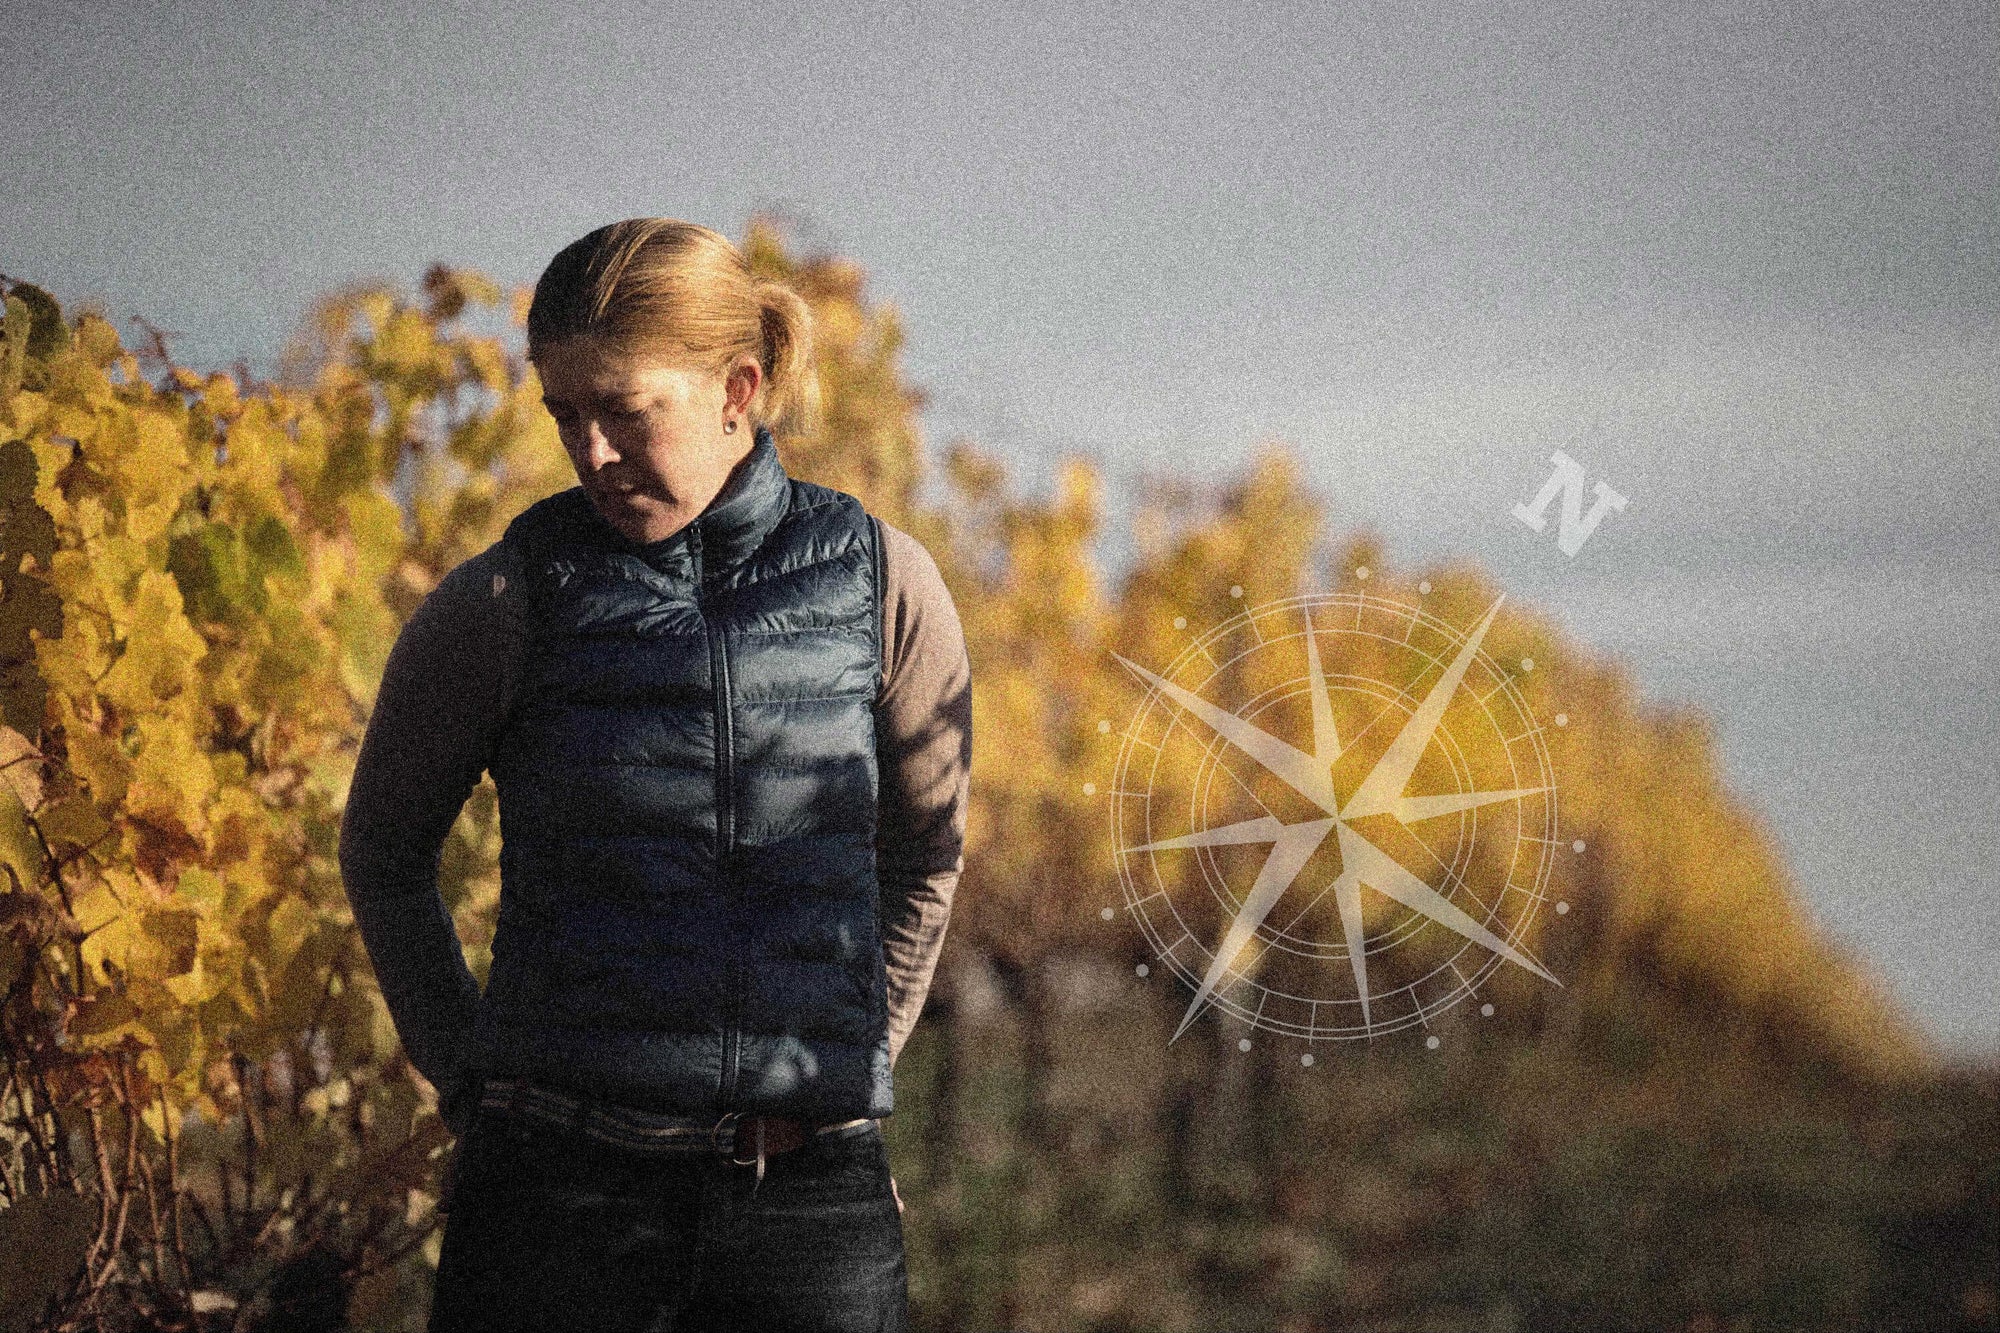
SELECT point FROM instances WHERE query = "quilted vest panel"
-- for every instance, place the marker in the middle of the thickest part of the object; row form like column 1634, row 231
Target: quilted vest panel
column 688, row 791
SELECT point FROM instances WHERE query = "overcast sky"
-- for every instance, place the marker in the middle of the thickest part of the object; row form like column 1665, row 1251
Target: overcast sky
column 1739, row 260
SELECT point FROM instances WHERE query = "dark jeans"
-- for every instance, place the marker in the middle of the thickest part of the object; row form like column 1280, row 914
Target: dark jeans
column 550, row 1231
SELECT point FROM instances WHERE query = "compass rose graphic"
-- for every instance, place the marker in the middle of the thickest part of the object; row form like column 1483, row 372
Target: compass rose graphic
column 1394, row 854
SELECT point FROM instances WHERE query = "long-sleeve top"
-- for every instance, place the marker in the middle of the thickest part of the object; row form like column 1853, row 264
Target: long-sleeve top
column 438, row 718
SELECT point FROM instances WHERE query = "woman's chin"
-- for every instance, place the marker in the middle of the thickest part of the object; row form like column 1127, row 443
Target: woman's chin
column 639, row 517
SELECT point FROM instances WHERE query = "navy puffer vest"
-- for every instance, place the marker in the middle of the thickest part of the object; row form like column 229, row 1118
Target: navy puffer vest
column 688, row 791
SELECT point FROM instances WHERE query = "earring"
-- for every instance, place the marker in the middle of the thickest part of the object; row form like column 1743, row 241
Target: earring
column 728, row 427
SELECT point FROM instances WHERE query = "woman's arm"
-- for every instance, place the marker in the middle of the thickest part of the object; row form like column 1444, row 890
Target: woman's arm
column 923, row 736
column 442, row 703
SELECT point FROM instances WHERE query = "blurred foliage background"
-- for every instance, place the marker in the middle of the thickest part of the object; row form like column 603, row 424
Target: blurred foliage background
column 206, row 1121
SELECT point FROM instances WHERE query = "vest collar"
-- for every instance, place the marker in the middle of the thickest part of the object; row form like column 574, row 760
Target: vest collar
column 735, row 523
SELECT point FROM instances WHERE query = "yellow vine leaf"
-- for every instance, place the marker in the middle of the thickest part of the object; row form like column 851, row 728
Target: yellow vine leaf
column 161, row 648
column 172, row 779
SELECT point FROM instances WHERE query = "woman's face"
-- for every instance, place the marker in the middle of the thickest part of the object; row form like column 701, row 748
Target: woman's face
column 644, row 432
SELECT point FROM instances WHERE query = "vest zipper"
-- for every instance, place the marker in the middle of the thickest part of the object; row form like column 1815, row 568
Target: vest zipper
column 725, row 819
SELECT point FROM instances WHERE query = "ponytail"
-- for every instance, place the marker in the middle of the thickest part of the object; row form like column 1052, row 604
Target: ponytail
column 790, row 396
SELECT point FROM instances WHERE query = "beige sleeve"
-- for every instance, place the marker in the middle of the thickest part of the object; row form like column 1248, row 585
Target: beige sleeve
column 923, row 733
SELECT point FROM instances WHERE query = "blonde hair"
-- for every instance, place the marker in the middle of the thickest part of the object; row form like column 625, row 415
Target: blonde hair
column 651, row 285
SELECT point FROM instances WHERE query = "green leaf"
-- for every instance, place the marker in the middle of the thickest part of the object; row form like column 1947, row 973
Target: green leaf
column 74, row 821
column 48, row 334
column 19, row 848
column 14, row 329
column 210, row 566
column 26, row 604
column 271, row 542
column 105, row 1012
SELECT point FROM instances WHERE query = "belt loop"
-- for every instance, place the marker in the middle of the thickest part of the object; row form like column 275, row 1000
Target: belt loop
column 760, row 1156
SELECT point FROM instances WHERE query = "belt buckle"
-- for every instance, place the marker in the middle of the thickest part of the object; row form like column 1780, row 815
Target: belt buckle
column 758, row 1160
column 715, row 1136
column 715, row 1140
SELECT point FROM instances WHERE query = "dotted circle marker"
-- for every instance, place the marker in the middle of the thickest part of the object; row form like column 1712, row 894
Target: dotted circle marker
column 1424, row 587
column 1562, row 909
column 1578, row 846
column 1486, row 1011
column 1243, row 1045
column 1143, row 970
column 1090, row 789
column 1527, row 664
column 1235, row 590
column 1107, row 914
column 1562, row 719
column 1103, row 725
column 1430, row 1043
column 1306, row 1059
column 1180, row 622
column 1361, row 573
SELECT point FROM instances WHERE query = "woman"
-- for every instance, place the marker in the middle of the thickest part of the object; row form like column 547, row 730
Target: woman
column 728, row 716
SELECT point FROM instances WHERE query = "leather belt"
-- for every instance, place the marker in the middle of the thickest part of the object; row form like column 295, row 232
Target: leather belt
column 733, row 1135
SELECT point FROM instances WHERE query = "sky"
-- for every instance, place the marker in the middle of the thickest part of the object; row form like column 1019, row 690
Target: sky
column 1740, row 261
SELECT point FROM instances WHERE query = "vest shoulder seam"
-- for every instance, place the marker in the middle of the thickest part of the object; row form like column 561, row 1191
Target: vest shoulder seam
column 808, row 496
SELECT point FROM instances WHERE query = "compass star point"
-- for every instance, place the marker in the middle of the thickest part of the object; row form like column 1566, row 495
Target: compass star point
column 1265, row 828
column 1291, row 765
column 1290, row 851
column 1386, row 875
column 1382, row 789
column 1326, row 735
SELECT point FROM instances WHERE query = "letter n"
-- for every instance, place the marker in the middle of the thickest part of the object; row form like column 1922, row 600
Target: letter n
column 1576, row 525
